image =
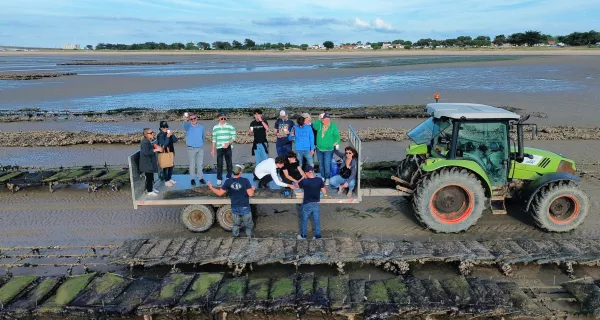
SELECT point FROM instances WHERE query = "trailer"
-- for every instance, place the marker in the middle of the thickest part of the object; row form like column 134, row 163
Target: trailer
column 202, row 210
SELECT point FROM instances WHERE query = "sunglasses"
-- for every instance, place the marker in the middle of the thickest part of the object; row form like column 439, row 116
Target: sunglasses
column 222, row 119
column 151, row 132
column 193, row 119
column 349, row 152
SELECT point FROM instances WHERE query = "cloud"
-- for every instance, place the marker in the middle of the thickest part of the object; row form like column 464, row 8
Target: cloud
column 377, row 25
column 302, row 21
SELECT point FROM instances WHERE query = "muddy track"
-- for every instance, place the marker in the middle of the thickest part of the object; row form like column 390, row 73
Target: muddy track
column 302, row 295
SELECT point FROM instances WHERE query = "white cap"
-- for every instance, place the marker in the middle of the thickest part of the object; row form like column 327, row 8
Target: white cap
column 282, row 113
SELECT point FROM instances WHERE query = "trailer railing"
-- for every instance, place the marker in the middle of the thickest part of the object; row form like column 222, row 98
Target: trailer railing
column 356, row 143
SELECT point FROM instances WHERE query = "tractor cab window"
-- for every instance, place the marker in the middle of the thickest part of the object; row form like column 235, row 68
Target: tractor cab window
column 487, row 144
column 423, row 133
column 433, row 132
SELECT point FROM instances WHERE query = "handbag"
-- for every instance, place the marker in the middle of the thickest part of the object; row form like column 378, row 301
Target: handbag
column 166, row 159
column 345, row 172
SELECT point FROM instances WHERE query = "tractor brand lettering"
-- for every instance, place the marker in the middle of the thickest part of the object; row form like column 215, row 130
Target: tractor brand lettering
column 533, row 161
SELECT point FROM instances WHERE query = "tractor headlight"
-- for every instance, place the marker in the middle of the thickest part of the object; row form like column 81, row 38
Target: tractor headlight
column 566, row 166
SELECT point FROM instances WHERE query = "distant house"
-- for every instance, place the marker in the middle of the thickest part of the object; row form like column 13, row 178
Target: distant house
column 552, row 43
column 598, row 43
column 364, row 46
column 348, row 47
column 71, row 47
column 386, row 45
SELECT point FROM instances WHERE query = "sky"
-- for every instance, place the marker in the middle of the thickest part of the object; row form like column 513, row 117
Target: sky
column 52, row 23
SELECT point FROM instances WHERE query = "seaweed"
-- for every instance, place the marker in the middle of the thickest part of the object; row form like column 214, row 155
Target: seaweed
column 172, row 288
column 339, row 293
column 230, row 294
column 133, row 296
column 101, row 290
column 257, row 295
column 13, row 288
column 66, row 293
column 201, row 291
column 283, row 293
column 31, row 299
column 13, row 175
column 319, row 301
column 378, row 303
column 457, row 289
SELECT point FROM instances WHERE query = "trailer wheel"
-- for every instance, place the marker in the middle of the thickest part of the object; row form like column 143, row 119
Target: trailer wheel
column 225, row 217
column 449, row 201
column 560, row 207
column 197, row 217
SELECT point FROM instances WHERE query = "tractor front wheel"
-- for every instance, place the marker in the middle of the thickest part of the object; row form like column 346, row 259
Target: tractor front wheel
column 450, row 200
column 559, row 207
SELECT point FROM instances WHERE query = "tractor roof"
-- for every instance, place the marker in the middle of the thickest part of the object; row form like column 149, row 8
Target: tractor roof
column 469, row 111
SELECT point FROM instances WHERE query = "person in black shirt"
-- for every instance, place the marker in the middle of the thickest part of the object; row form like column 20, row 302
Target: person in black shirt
column 292, row 172
column 259, row 128
column 240, row 190
column 312, row 187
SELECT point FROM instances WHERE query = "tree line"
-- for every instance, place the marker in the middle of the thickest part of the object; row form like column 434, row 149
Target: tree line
column 530, row 38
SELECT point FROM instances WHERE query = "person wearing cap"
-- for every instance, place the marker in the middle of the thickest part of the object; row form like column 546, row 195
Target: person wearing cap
column 283, row 127
column 222, row 141
column 165, row 140
column 259, row 128
column 266, row 172
column 311, row 208
column 239, row 190
column 328, row 139
column 304, row 140
column 194, row 139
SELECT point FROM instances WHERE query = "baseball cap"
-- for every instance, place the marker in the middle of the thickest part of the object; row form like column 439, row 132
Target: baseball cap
column 164, row 124
column 326, row 115
column 222, row 114
column 309, row 168
column 238, row 168
column 305, row 115
column 283, row 113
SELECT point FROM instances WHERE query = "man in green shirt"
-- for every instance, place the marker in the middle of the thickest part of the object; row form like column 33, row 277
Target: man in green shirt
column 222, row 140
column 328, row 139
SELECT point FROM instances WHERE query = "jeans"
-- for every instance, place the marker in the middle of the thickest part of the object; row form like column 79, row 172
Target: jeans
column 338, row 180
column 260, row 154
column 311, row 210
column 224, row 153
column 149, row 181
column 302, row 155
column 283, row 149
column 196, row 158
column 242, row 221
column 167, row 173
column 324, row 158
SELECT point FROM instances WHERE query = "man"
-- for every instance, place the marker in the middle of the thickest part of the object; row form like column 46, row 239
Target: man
column 266, row 172
column 240, row 190
column 312, row 187
column 260, row 145
column 328, row 139
column 194, row 139
column 283, row 127
column 222, row 141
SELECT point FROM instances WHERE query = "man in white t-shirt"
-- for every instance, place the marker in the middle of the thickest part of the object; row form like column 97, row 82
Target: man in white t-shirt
column 266, row 171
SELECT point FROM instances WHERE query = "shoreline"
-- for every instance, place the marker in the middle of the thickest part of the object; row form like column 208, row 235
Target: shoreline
column 335, row 52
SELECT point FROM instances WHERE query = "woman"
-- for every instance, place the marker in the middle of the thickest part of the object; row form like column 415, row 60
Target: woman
column 347, row 175
column 304, row 140
column 328, row 138
column 292, row 172
column 166, row 138
column 148, row 162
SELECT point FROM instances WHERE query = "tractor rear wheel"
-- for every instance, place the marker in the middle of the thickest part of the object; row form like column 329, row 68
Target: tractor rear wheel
column 560, row 207
column 450, row 200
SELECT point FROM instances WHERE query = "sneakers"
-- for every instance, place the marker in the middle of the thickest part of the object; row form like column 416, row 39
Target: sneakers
column 155, row 191
column 316, row 237
column 219, row 182
column 327, row 181
column 169, row 184
column 193, row 182
column 152, row 194
column 173, row 182
column 299, row 237
column 202, row 181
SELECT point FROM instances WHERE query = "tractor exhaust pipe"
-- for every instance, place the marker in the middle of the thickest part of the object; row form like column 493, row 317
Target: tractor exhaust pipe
column 520, row 143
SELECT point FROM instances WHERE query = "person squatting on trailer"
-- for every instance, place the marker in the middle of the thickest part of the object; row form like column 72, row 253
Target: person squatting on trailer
column 283, row 127
column 312, row 187
column 166, row 139
column 348, row 170
column 291, row 171
column 240, row 190
column 222, row 141
column 194, row 139
column 259, row 128
column 304, row 139
column 266, row 172
column 148, row 160
column 328, row 139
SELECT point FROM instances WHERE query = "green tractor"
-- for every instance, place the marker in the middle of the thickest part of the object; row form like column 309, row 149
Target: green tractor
column 463, row 160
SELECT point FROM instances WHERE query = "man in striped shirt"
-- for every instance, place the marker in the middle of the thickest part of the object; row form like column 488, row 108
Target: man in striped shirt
column 222, row 141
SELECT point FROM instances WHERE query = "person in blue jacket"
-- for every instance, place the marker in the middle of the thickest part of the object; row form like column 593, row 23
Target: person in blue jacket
column 304, row 140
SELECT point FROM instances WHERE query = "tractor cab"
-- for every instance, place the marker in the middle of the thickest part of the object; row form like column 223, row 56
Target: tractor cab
column 474, row 132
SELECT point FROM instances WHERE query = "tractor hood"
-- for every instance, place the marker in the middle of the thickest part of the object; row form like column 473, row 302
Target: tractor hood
column 541, row 162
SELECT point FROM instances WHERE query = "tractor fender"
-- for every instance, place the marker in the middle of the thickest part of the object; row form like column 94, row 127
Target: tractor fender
column 532, row 189
column 472, row 166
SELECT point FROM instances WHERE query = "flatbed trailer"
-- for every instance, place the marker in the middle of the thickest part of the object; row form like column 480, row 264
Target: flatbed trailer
column 201, row 211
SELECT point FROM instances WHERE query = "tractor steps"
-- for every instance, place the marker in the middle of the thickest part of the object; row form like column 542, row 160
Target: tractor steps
column 106, row 295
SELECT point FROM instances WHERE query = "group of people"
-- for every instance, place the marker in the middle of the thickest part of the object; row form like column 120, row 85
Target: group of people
column 296, row 145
